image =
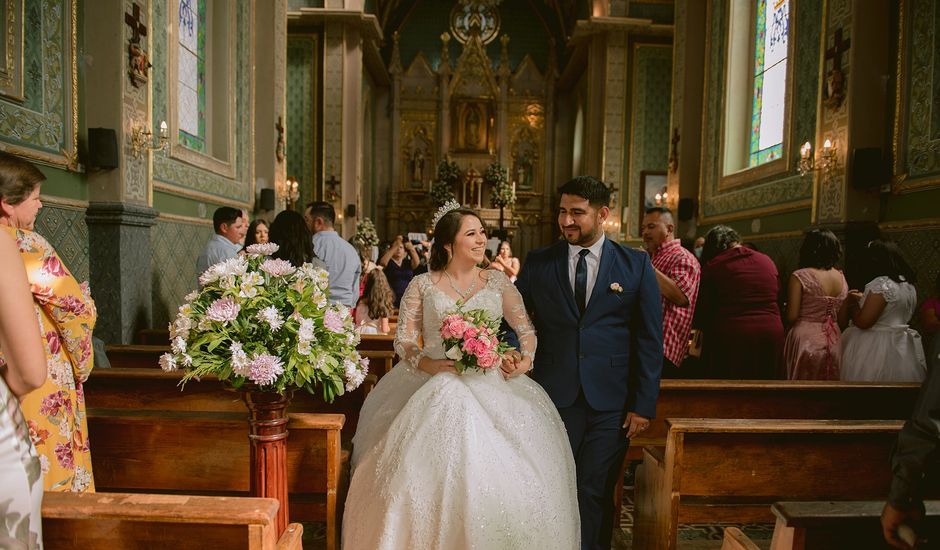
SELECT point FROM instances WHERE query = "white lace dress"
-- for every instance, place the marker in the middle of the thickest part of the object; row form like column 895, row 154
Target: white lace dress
column 458, row 462
column 889, row 351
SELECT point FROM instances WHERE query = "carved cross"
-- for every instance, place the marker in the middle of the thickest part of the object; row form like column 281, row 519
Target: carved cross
column 838, row 48
column 136, row 25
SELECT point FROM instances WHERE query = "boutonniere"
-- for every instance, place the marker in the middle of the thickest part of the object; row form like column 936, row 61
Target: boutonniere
column 615, row 287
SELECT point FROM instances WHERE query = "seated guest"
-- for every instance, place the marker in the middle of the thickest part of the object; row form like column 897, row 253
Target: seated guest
column 930, row 323
column 24, row 371
column 879, row 346
column 816, row 293
column 226, row 243
column 341, row 259
column 737, row 310
column 257, row 233
column 56, row 411
column 375, row 306
column 677, row 274
column 399, row 271
column 289, row 232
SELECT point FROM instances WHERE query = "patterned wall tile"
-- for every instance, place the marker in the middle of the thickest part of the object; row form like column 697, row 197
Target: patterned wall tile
column 302, row 68
column 175, row 246
column 64, row 227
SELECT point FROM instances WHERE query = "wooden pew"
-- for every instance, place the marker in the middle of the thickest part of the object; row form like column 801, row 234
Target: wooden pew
column 122, row 520
column 734, row 539
column 380, row 361
column 730, row 471
column 155, row 390
column 854, row 524
column 380, row 342
column 135, row 356
column 153, row 336
column 208, row 453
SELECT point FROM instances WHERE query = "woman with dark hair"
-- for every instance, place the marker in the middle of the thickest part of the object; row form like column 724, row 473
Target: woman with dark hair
column 505, row 262
column 486, row 445
column 737, row 312
column 375, row 305
column 56, row 411
column 289, row 232
column 879, row 346
column 816, row 292
column 400, row 262
column 257, row 233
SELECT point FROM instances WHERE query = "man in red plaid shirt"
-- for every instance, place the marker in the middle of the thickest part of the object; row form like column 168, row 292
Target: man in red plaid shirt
column 677, row 272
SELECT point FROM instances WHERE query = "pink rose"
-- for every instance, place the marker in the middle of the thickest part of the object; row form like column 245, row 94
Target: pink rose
column 52, row 265
column 488, row 361
column 471, row 332
column 71, row 304
column 52, row 338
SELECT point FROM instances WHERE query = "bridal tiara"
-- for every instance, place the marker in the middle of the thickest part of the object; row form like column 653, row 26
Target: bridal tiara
column 446, row 208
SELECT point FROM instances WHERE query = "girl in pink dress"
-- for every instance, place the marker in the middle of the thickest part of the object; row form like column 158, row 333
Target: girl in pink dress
column 816, row 293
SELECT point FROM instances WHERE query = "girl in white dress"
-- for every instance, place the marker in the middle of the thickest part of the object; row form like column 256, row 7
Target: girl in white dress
column 447, row 461
column 879, row 346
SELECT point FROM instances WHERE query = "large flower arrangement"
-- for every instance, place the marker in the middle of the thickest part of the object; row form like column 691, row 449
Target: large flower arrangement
column 448, row 172
column 501, row 192
column 263, row 321
column 442, row 190
column 365, row 233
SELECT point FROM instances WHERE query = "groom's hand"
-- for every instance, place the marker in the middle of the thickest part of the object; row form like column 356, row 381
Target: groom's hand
column 512, row 364
column 635, row 424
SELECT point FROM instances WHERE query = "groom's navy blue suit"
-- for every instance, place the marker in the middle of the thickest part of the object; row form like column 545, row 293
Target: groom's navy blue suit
column 596, row 366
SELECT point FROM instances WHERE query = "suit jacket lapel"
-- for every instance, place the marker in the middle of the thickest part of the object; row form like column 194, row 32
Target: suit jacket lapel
column 603, row 273
column 564, row 281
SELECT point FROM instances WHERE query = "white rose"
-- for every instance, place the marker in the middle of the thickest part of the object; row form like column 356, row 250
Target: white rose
column 454, row 353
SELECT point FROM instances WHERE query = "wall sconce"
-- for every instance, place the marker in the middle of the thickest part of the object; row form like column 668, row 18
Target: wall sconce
column 826, row 162
column 662, row 198
column 289, row 192
column 142, row 140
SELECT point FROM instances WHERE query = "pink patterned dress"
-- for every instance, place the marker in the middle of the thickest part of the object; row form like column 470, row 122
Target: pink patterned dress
column 813, row 349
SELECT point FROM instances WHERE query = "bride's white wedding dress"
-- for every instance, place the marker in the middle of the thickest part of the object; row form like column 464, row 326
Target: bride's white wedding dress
column 456, row 462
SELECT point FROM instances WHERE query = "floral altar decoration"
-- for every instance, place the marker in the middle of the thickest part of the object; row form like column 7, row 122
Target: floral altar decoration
column 502, row 193
column 262, row 321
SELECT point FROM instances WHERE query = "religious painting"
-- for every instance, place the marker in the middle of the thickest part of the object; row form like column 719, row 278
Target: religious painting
column 652, row 192
column 525, row 156
column 472, row 126
column 11, row 49
column 418, row 160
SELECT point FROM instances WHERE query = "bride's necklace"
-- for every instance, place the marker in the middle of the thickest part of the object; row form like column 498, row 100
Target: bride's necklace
column 464, row 294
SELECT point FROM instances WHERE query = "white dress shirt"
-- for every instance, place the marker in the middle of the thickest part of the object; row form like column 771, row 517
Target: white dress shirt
column 593, row 260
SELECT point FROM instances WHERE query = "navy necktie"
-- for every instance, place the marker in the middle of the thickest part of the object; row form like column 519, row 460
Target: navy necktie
column 580, row 281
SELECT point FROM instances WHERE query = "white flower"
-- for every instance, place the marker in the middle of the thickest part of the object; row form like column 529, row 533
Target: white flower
column 272, row 317
column 304, row 348
column 355, row 374
column 454, row 353
column 236, row 266
column 167, row 362
column 248, row 291
column 178, row 345
column 277, row 268
column 258, row 250
column 80, row 480
column 305, row 330
column 190, row 297
column 228, row 282
column 187, row 360
column 239, row 359
column 44, row 464
column 615, row 287
column 253, row 278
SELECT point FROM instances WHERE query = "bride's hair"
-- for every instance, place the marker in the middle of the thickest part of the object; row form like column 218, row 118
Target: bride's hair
column 445, row 232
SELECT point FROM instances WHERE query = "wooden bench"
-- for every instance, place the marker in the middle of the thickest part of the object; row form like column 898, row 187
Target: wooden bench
column 734, row 539
column 208, row 453
column 730, row 471
column 120, row 520
column 135, row 356
column 155, row 390
column 154, row 336
column 854, row 524
column 378, row 342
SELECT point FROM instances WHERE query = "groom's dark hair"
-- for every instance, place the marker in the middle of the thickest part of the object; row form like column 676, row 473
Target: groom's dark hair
column 594, row 190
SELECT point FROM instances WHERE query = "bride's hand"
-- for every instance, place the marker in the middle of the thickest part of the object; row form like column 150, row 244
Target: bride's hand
column 436, row 366
column 514, row 364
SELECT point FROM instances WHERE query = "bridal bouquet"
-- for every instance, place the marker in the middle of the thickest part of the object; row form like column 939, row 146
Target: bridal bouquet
column 470, row 340
column 263, row 321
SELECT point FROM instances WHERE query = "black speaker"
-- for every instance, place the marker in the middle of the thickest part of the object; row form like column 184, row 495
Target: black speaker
column 102, row 148
column 350, row 210
column 686, row 209
column 869, row 168
column 266, row 202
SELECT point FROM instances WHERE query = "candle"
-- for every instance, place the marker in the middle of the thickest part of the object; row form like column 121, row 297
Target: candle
column 827, row 145
column 805, row 150
column 163, row 128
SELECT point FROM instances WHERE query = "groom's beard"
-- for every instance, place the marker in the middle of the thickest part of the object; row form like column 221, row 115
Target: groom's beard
column 576, row 236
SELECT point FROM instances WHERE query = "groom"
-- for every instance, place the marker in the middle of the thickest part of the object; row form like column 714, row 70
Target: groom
column 597, row 312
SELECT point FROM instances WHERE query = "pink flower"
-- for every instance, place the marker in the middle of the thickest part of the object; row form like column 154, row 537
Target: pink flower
column 223, row 310
column 63, row 453
column 52, row 338
column 72, row 304
column 471, row 332
column 52, row 265
column 453, row 327
column 333, row 321
column 278, row 268
column 488, row 361
column 36, row 434
column 265, row 249
column 54, row 402
column 264, row 369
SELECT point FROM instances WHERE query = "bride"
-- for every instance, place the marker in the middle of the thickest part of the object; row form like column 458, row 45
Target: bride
column 448, row 461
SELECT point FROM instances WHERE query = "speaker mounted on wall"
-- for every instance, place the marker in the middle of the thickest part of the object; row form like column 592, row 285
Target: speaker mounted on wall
column 686, row 209
column 102, row 148
column 869, row 168
column 266, row 200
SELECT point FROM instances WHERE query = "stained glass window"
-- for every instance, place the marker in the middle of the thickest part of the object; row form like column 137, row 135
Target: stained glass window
column 192, row 74
column 770, row 80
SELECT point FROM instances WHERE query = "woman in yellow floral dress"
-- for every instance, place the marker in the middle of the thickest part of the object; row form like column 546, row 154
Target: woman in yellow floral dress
column 55, row 412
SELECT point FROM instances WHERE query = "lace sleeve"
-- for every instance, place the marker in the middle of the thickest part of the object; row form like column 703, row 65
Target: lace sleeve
column 515, row 314
column 885, row 286
column 410, row 322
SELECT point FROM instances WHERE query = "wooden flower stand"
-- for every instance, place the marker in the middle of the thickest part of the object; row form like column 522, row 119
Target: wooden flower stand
column 268, row 436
